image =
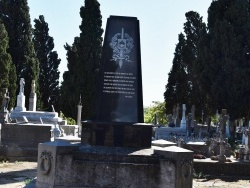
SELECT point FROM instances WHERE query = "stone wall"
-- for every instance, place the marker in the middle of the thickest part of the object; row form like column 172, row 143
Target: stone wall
column 24, row 135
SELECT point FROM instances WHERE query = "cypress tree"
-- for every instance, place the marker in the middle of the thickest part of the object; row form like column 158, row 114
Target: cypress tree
column 16, row 18
column 69, row 98
column 49, row 62
column 193, row 28
column 83, row 62
column 7, row 77
column 177, row 88
column 228, row 70
column 89, row 53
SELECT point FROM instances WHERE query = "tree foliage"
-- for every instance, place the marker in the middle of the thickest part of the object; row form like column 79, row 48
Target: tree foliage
column 177, row 88
column 83, row 62
column 226, row 57
column 16, row 18
column 49, row 62
column 157, row 108
column 216, row 60
column 183, row 86
column 69, row 98
column 7, row 77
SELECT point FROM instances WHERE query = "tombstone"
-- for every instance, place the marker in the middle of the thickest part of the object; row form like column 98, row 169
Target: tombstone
column 217, row 121
column 33, row 97
column 4, row 107
column 156, row 122
column 222, row 156
column 193, row 115
column 244, row 152
column 189, row 124
column 170, row 121
column 174, row 114
column 183, row 119
column 177, row 120
column 223, row 122
column 119, row 108
column 228, row 127
column 20, row 106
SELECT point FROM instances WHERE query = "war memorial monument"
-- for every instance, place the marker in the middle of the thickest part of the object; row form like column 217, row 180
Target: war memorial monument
column 115, row 148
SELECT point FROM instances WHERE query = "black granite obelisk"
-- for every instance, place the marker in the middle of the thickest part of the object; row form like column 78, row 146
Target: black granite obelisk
column 120, row 82
column 118, row 117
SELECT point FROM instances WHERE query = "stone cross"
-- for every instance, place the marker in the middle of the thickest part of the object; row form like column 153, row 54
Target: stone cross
column 79, row 116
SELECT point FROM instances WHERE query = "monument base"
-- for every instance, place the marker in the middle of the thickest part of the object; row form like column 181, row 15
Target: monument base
column 37, row 117
column 20, row 103
column 137, row 135
column 32, row 102
column 65, row 165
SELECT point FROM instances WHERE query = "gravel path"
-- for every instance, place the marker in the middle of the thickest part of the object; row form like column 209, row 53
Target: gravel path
column 19, row 174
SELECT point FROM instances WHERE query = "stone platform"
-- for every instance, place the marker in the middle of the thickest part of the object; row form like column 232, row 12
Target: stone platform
column 215, row 168
column 61, row 164
column 38, row 117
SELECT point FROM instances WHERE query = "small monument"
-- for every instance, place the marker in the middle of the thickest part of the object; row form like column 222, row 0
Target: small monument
column 33, row 98
column 4, row 107
column 20, row 106
column 79, row 115
column 223, row 122
column 183, row 120
column 177, row 113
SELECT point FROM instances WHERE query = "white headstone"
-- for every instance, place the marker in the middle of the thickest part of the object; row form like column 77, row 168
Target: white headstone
column 183, row 119
column 20, row 106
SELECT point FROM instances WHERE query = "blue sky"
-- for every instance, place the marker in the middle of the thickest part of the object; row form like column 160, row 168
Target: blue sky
column 160, row 23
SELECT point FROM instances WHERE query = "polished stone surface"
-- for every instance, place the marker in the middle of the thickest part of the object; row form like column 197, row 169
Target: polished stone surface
column 120, row 82
column 117, row 134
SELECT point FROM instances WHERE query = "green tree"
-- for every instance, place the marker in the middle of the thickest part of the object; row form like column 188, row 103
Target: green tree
column 229, row 54
column 157, row 108
column 16, row 18
column 177, row 88
column 193, row 28
column 226, row 60
column 49, row 62
column 87, row 52
column 7, row 77
column 69, row 98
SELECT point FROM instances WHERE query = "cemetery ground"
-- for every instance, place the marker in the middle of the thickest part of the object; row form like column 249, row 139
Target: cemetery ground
column 19, row 174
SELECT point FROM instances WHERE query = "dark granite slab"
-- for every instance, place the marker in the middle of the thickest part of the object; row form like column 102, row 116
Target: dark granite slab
column 116, row 134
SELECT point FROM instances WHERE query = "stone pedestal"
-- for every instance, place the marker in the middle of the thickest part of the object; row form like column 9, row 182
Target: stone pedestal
column 183, row 120
column 117, row 134
column 36, row 117
column 32, row 102
column 61, row 164
column 20, row 103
